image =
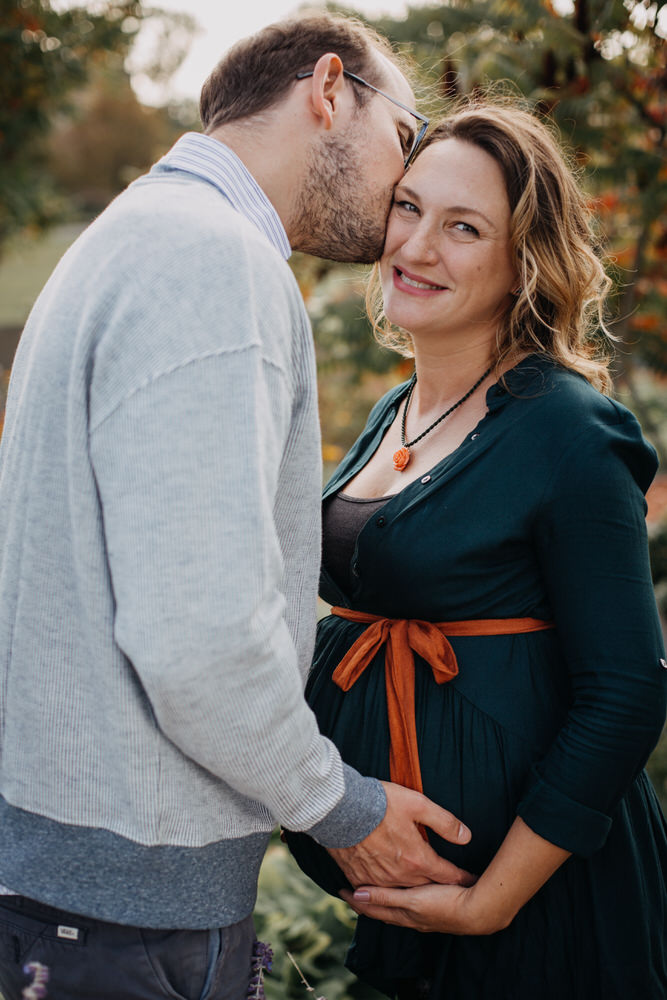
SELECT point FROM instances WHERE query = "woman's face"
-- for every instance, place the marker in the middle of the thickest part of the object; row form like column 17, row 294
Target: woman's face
column 447, row 267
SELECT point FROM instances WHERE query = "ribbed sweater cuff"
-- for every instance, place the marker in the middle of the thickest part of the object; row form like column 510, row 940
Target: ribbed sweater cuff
column 357, row 814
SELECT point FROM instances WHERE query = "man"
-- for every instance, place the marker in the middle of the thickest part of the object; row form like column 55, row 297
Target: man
column 159, row 540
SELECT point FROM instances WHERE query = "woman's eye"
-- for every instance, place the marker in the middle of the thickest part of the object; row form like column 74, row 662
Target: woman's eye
column 407, row 206
column 465, row 229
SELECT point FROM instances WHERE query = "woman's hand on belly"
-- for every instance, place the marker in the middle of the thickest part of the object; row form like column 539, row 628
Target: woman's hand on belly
column 446, row 909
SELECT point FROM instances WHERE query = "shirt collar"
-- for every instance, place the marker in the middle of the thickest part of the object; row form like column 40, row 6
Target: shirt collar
column 216, row 163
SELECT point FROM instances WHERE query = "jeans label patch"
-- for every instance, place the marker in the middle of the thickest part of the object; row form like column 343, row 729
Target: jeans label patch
column 71, row 933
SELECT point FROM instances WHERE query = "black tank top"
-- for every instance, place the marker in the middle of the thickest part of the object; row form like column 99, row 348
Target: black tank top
column 343, row 517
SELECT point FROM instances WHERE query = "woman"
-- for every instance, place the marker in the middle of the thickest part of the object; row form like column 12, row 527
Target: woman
column 500, row 491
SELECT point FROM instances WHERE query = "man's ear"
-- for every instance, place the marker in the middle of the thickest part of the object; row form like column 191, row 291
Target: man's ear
column 327, row 86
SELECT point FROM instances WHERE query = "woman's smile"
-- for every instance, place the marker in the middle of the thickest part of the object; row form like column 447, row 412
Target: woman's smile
column 414, row 284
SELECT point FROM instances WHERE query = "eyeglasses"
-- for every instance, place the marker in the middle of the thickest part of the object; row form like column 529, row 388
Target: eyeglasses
column 418, row 139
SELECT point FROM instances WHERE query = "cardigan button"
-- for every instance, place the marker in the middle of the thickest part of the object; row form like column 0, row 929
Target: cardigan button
column 425, row 479
column 473, row 437
column 663, row 663
column 355, row 568
column 381, row 521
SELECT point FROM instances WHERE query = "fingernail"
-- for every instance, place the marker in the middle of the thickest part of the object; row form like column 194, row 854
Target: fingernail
column 362, row 895
column 464, row 832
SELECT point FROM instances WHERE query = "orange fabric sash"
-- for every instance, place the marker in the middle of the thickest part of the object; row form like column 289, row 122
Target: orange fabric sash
column 403, row 638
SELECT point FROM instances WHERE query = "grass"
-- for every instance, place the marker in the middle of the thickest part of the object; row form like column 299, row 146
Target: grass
column 26, row 263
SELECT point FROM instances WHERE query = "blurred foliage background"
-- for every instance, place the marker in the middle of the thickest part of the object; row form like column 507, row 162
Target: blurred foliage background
column 73, row 134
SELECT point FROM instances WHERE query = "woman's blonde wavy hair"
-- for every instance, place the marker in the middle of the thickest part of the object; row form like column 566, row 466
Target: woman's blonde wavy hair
column 559, row 308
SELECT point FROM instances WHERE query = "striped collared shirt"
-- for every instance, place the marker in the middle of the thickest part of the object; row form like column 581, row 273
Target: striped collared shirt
column 216, row 163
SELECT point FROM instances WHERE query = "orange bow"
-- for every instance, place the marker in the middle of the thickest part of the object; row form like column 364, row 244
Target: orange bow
column 403, row 638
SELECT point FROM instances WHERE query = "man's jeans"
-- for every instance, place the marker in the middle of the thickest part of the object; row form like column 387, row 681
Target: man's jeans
column 91, row 959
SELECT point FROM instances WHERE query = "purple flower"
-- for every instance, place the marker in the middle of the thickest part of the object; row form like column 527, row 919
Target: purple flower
column 262, row 960
column 36, row 990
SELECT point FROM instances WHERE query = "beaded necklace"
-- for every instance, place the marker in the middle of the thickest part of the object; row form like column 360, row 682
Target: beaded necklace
column 402, row 456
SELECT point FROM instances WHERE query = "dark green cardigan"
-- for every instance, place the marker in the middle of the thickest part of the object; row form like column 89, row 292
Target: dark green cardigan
column 538, row 513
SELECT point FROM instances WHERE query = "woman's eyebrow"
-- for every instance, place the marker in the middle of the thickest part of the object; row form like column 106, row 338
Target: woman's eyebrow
column 466, row 210
column 405, row 190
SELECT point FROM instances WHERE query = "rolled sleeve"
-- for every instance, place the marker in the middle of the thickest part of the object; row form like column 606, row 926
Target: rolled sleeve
column 561, row 820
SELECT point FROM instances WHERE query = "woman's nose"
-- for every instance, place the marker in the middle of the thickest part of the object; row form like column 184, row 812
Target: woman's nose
column 421, row 245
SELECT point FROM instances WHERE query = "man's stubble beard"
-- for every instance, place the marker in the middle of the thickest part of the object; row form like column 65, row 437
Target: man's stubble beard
column 338, row 215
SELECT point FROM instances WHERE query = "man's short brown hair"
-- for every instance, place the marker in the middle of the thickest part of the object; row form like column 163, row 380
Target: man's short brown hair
column 257, row 71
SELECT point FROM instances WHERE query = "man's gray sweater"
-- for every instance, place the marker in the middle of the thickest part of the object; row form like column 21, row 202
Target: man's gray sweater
column 159, row 552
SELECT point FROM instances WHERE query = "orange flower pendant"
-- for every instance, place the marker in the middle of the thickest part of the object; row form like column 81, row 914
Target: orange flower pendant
column 401, row 458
